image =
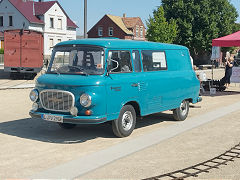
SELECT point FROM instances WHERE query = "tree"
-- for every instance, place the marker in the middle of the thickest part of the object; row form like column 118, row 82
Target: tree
column 200, row 21
column 159, row 30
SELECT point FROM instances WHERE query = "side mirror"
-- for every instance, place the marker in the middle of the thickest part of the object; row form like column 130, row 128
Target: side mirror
column 45, row 62
column 45, row 66
column 110, row 62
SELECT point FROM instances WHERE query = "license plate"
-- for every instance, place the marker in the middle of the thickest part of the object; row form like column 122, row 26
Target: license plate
column 49, row 117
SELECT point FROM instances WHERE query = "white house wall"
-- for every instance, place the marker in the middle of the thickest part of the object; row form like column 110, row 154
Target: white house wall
column 36, row 27
column 56, row 34
column 6, row 10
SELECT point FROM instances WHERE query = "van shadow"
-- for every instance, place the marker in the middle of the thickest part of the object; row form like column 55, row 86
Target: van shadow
column 40, row 130
column 221, row 93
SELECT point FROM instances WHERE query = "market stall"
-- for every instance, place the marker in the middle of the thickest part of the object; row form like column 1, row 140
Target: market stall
column 232, row 40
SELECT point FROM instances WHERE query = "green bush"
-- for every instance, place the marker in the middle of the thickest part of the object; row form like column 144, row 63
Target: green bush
column 1, row 51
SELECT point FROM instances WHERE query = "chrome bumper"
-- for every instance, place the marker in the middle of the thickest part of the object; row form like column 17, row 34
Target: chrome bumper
column 72, row 119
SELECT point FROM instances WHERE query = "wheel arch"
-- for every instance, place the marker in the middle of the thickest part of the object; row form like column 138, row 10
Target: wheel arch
column 190, row 100
column 135, row 106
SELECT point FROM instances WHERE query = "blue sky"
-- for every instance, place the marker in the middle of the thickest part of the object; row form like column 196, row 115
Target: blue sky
column 98, row 8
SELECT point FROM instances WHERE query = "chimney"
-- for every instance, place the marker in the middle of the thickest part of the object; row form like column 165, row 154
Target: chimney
column 124, row 15
column 33, row 9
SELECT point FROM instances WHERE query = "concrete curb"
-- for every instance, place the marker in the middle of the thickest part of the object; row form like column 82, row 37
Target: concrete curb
column 21, row 86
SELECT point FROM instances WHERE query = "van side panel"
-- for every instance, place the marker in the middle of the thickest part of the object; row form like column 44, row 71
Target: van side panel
column 178, row 60
column 166, row 89
column 180, row 68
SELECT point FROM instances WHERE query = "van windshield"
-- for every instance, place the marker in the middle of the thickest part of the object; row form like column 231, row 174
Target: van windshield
column 85, row 60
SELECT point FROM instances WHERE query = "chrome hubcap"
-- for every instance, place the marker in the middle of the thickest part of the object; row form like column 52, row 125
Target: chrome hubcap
column 127, row 120
column 183, row 108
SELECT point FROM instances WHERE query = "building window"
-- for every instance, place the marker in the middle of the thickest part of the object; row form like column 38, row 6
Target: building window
column 141, row 31
column 110, row 31
column 51, row 43
column 10, row 21
column 137, row 31
column 2, row 44
column 100, row 31
column 59, row 40
column 51, row 23
column 1, row 21
column 59, row 23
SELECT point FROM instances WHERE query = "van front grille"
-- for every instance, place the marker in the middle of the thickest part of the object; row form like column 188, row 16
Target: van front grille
column 56, row 100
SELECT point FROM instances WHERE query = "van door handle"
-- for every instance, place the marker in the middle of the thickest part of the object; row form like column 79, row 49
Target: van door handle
column 135, row 85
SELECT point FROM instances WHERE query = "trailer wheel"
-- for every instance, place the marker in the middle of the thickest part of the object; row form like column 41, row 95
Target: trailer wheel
column 125, row 124
column 67, row 125
column 181, row 113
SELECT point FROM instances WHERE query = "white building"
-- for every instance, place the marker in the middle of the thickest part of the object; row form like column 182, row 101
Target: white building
column 47, row 17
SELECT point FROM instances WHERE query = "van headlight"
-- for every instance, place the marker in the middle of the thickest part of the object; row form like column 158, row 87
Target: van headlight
column 34, row 95
column 85, row 100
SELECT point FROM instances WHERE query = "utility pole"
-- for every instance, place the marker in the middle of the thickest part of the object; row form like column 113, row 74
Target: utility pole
column 85, row 18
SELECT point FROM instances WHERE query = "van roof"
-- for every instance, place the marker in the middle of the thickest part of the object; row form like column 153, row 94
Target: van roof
column 119, row 43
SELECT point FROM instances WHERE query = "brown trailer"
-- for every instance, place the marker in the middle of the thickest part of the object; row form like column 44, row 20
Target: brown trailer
column 23, row 51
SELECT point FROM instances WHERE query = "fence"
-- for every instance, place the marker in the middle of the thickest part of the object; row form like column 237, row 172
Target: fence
column 1, row 58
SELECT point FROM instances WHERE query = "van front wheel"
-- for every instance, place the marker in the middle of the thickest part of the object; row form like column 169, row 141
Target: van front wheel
column 125, row 124
column 181, row 113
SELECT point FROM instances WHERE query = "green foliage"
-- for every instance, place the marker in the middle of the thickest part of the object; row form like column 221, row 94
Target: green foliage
column 1, row 51
column 236, row 27
column 200, row 21
column 159, row 30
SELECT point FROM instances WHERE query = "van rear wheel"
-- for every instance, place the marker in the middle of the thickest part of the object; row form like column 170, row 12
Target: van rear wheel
column 125, row 124
column 181, row 113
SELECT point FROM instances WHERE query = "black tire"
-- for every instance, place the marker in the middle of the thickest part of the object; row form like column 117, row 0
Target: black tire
column 181, row 113
column 125, row 124
column 67, row 125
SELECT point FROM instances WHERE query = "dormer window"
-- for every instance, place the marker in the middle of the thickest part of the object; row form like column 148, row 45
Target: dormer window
column 137, row 31
column 141, row 31
column 59, row 23
column 10, row 21
column 110, row 31
column 100, row 31
column 1, row 21
column 51, row 23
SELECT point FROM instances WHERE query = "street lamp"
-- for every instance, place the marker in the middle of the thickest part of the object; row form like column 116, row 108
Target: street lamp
column 85, row 18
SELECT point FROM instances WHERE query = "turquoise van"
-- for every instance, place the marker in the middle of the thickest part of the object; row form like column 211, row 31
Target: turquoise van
column 93, row 81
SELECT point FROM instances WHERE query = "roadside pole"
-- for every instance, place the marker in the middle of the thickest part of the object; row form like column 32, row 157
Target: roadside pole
column 85, row 18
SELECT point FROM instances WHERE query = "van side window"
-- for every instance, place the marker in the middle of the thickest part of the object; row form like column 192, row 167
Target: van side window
column 136, row 61
column 154, row 60
column 119, row 61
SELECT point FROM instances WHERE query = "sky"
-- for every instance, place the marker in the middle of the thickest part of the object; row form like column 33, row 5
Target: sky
column 98, row 8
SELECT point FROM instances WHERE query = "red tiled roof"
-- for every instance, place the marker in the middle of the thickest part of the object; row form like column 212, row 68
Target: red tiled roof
column 40, row 8
column 26, row 9
column 131, row 22
column 70, row 23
